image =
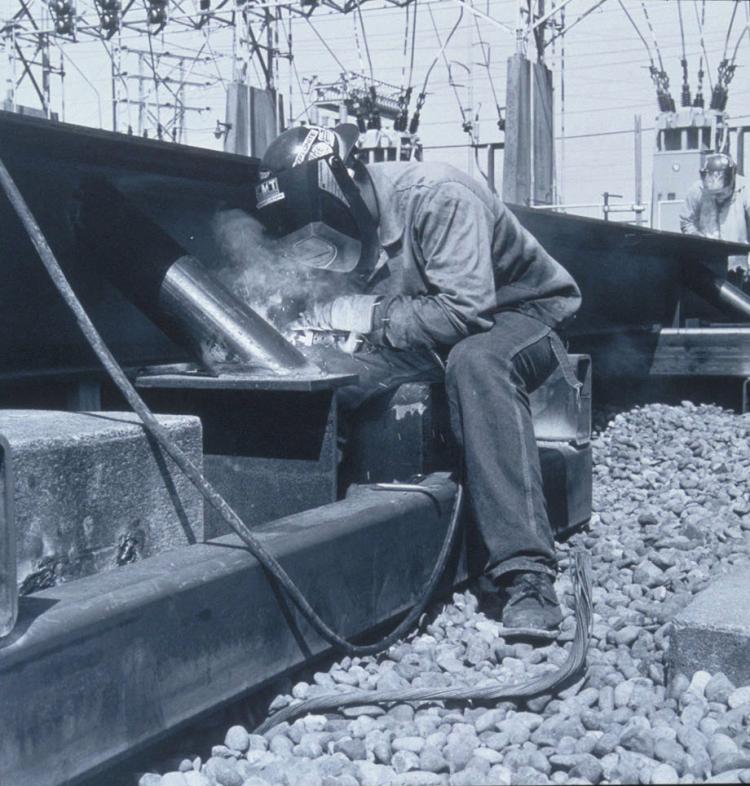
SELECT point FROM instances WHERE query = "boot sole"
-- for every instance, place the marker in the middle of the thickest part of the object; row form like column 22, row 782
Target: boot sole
column 528, row 634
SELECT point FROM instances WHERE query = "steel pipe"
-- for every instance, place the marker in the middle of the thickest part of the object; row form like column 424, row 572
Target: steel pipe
column 717, row 291
column 177, row 292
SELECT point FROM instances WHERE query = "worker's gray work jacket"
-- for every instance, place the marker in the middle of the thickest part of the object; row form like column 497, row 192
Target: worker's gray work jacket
column 728, row 221
column 454, row 255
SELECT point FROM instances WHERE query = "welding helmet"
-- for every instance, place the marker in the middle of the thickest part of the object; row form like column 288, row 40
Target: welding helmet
column 718, row 175
column 308, row 201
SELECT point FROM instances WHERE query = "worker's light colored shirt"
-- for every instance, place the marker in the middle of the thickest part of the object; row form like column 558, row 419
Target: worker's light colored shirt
column 453, row 255
column 729, row 220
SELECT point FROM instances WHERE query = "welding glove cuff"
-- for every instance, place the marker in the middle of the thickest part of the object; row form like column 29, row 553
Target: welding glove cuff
column 347, row 313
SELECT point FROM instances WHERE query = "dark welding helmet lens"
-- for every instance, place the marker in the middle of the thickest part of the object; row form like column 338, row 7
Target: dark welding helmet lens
column 320, row 246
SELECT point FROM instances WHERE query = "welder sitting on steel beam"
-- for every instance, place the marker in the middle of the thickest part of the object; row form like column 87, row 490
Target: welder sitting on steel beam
column 439, row 267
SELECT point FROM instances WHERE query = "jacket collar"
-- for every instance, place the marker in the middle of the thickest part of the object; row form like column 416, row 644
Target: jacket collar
column 390, row 224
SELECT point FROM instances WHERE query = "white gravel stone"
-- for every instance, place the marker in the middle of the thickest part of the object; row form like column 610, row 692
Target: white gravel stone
column 175, row 778
column 237, row 739
column 669, row 483
column 698, row 682
column 199, row 779
column 739, row 697
column 664, row 774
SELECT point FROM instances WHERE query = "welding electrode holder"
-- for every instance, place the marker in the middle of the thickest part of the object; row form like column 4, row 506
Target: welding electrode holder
column 173, row 289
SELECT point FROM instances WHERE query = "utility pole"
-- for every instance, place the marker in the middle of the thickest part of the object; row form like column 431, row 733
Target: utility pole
column 141, row 97
column 638, row 153
column 10, row 81
column 116, row 67
column 46, row 71
column 470, row 91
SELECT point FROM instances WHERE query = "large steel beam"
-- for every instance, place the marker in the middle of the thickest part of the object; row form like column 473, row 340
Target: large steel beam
column 101, row 666
column 671, row 352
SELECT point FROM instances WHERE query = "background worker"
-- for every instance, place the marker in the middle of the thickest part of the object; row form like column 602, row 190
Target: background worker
column 435, row 265
column 718, row 206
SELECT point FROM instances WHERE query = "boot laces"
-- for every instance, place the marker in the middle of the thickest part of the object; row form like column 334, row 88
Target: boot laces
column 536, row 586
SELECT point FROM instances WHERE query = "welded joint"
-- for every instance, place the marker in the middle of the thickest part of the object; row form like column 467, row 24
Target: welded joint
column 414, row 488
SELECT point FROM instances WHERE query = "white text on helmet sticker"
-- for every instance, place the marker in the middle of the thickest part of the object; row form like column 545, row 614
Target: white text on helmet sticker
column 319, row 142
column 320, row 150
column 268, row 192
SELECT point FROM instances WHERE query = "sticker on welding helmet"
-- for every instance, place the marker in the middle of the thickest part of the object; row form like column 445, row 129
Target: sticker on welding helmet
column 327, row 182
column 318, row 143
column 268, row 192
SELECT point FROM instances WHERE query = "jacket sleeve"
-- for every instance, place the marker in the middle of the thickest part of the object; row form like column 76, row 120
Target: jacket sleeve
column 452, row 230
column 690, row 214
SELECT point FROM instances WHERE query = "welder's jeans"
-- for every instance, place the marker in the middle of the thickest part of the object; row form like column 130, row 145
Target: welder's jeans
column 488, row 379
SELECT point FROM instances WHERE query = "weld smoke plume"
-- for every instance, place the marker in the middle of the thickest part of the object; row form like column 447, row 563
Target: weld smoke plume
column 278, row 288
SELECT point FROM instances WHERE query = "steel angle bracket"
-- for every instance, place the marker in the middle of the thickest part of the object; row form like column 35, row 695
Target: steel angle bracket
column 8, row 577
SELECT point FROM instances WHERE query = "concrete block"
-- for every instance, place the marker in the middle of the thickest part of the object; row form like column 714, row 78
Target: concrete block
column 92, row 491
column 713, row 632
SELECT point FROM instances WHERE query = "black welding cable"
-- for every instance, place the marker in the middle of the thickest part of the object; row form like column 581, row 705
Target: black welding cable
column 194, row 474
column 484, row 692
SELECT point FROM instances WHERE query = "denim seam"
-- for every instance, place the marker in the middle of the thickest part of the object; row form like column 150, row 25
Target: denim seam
column 525, row 465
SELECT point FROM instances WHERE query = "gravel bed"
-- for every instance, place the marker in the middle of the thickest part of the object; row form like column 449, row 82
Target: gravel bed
column 671, row 512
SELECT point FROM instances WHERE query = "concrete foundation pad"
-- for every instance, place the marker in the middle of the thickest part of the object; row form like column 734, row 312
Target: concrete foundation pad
column 713, row 632
column 93, row 491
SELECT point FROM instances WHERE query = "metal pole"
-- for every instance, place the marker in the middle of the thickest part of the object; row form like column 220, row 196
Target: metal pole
column 532, row 184
column 470, row 60
column 116, row 55
column 637, row 141
column 561, row 177
column 141, row 97
column 519, row 27
column 62, row 87
column 46, row 71
column 180, row 105
column 10, row 43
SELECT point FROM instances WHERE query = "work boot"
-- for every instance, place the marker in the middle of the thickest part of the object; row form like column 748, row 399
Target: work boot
column 530, row 601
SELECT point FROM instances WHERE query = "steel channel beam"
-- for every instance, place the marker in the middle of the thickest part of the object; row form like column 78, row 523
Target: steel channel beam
column 719, row 351
column 102, row 666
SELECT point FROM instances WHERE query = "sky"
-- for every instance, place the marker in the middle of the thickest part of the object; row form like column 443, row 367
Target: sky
column 602, row 72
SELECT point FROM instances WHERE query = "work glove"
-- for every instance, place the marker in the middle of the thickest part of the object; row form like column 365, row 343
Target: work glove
column 347, row 314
